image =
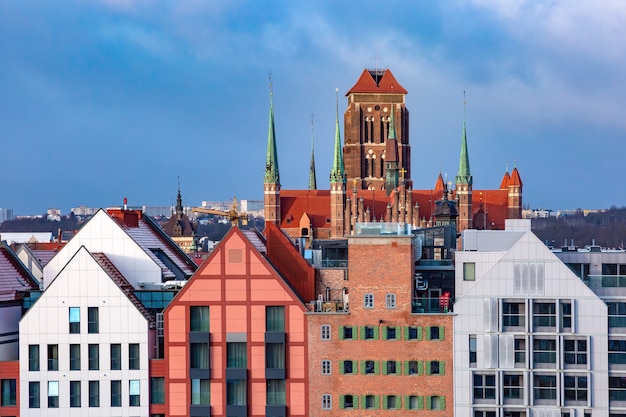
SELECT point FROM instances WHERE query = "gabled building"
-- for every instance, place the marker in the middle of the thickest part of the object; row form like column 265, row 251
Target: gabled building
column 530, row 338
column 236, row 340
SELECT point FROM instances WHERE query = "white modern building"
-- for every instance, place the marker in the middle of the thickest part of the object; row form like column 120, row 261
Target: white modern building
column 531, row 339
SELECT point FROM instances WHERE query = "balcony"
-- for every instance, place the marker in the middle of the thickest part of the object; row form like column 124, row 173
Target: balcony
column 327, row 307
column 432, row 305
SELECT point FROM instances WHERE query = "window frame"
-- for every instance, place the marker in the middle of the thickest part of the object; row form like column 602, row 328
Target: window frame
column 368, row 301
column 93, row 357
column 325, row 332
column 326, row 367
column 74, row 320
column 93, row 320
column 94, row 394
column 390, row 300
column 134, row 356
column 327, row 402
column 9, row 392
column 75, row 394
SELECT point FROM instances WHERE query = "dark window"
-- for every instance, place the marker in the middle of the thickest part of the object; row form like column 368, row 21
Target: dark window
column 347, row 332
column 199, row 320
column 34, row 394
column 276, row 392
column 33, row 357
column 74, row 357
column 53, row 358
column 513, row 386
column 392, row 402
column 134, row 393
column 157, row 390
column 617, row 388
column 391, row 333
column 200, row 392
column 93, row 320
column 544, row 387
column 566, row 315
column 74, row 393
column 391, row 367
column 484, row 387
column 94, row 357
column 347, row 367
column 575, row 352
column 236, row 355
column 368, row 301
column 116, row 393
column 199, row 355
column 133, row 356
column 116, row 356
column 275, row 355
column 413, row 333
column 9, row 397
column 472, row 350
column 348, row 401
column 275, row 318
column 370, row 402
column 413, row 368
column 94, row 393
column 544, row 314
column 513, row 314
column 519, row 346
column 74, row 320
column 575, row 388
column 544, row 351
column 617, row 351
column 435, row 369
column 617, row 314
column 370, row 367
column 434, row 333
column 236, row 392
column 369, row 332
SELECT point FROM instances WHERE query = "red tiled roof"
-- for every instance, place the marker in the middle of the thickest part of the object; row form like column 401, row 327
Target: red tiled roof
column 14, row 276
column 439, row 185
column 515, row 178
column 367, row 84
column 505, row 181
column 294, row 203
column 497, row 204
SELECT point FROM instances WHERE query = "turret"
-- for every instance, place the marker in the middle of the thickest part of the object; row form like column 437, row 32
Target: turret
column 464, row 183
column 271, row 182
column 515, row 195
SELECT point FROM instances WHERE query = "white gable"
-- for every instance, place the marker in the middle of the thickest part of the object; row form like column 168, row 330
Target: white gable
column 103, row 234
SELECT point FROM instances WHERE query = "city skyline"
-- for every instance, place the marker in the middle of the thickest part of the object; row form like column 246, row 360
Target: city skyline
column 111, row 99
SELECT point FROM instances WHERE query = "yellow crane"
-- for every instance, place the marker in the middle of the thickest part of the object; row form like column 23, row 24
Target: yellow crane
column 234, row 215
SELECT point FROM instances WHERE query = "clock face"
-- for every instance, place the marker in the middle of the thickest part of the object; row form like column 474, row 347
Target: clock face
column 369, row 109
column 385, row 109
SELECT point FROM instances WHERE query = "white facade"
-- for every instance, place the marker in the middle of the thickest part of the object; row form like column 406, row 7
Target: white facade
column 83, row 284
column 104, row 234
column 530, row 337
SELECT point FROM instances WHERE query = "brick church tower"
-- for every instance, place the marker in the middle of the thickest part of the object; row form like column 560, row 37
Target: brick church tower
column 368, row 118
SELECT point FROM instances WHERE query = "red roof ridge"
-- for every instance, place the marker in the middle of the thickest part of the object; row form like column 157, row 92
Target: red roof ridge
column 515, row 178
column 439, row 185
column 505, row 181
column 386, row 84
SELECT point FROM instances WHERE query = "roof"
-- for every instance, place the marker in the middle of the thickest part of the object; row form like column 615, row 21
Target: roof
column 14, row 276
column 295, row 203
column 25, row 237
column 179, row 225
column 152, row 239
column 515, row 178
column 123, row 284
column 371, row 81
column 505, row 181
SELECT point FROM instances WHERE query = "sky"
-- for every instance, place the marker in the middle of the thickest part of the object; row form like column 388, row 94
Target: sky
column 106, row 99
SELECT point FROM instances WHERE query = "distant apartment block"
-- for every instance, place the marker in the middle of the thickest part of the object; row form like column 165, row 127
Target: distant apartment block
column 83, row 211
column 6, row 214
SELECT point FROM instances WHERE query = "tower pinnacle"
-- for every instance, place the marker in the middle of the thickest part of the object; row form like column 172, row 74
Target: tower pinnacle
column 312, row 179
column 337, row 174
column 271, row 162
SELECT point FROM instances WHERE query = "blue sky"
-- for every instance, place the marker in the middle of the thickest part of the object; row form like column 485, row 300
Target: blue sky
column 101, row 100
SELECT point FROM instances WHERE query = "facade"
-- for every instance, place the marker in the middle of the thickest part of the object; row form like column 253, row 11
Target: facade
column 530, row 337
column 235, row 335
column 371, row 178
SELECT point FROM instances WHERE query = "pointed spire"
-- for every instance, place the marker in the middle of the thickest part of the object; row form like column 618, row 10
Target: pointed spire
column 271, row 161
column 312, row 179
column 337, row 174
column 179, row 201
column 392, row 124
column 464, row 176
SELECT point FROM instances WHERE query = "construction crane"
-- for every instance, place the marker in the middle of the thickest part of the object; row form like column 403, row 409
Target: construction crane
column 234, row 215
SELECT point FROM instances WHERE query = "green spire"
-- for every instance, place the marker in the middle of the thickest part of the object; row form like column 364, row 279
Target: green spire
column 464, row 176
column 337, row 174
column 312, row 180
column 392, row 125
column 271, row 161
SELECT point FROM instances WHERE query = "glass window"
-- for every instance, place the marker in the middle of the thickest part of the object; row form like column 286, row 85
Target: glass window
column 370, row 402
column 368, row 301
column 566, row 315
column 325, row 332
column 435, row 333
column 276, row 392
column 348, row 401
column 34, row 394
column 391, row 367
column 413, row 403
column 236, row 392
column 437, row 403
column 94, row 393
column 392, row 402
column 513, row 314
column 94, row 357
column 575, row 388
column 74, row 393
column 513, row 385
column 74, row 357
column 134, row 391
column 519, row 346
column 370, row 367
column 133, row 356
column 413, row 368
column 436, row 367
column 369, row 332
column 346, row 332
column 116, row 356
column 8, row 392
column 236, row 355
column 544, row 314
column 157, row 390
column 275, row 318
column 275, row 355
column 327, row 402
column 53, row 357
column 484, row 387
column 93, row 325
column 617, row 351
column 116, row 393
column 544, row 351
column 484, row 413
column 469, row 271
column 199, row 320
column 348, row 367
column 413, row 333
column 575, row 352
column 617, row 388
column 391, row 333
column 74, row 319
column 544, row 387
column 33, row 357
column 617, row 314
column 200, row 392
column 53, row 394
column 199, row 355
column 326, row 367
column 390, row 301
column 472, row 350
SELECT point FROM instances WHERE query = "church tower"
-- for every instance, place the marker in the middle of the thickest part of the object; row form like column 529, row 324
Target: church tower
column 515, row 195
column 464, row 187
column 367, row 119
column 337, row 184
column 271, row 182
